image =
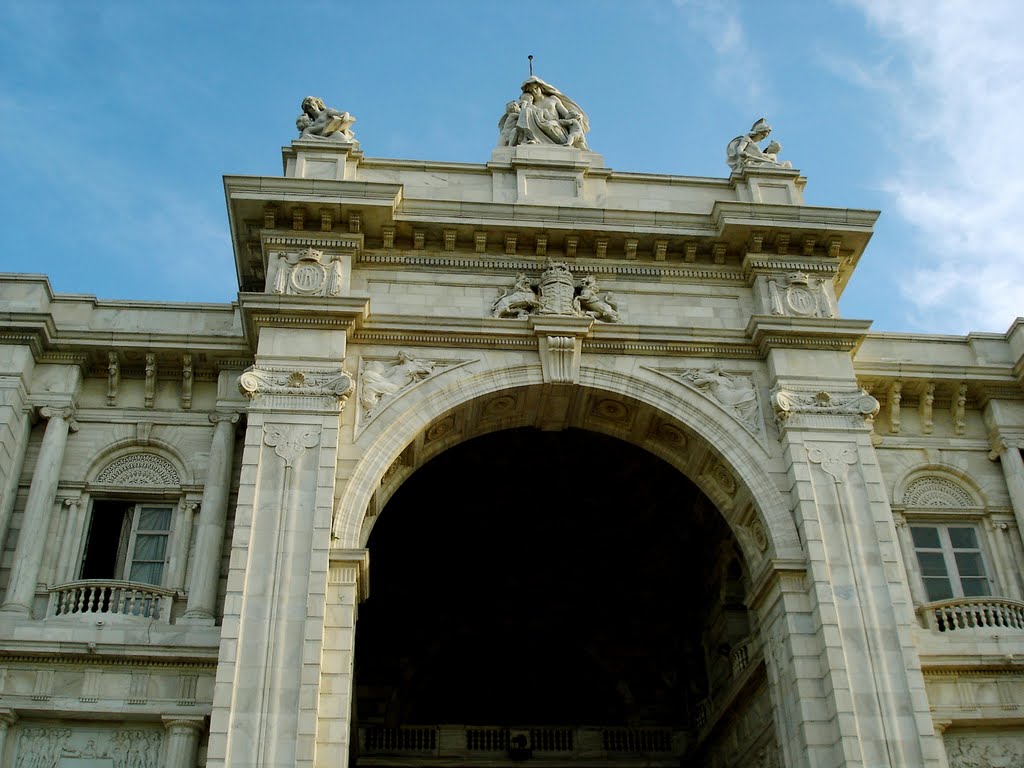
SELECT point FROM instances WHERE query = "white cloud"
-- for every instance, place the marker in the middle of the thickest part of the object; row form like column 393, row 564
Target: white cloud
column 719, row 23
column 955, row 89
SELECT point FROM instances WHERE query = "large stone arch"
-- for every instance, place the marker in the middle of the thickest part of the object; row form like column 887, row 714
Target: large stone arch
column 683, row 428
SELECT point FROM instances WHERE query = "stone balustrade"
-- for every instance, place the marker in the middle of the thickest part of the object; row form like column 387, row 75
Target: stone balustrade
column 111, row 598
column 497, row 741
column 974, row 613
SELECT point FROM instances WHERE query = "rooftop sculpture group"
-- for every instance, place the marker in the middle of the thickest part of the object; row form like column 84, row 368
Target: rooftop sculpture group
column 543, row 115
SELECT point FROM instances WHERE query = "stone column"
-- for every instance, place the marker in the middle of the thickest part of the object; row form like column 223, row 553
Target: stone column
column 9, row 493
column 1007, row 450
column 1007, row 568
column 21, row 588
column 906, row 542
column 181, row 743
column 202, row 586
column 8, row 717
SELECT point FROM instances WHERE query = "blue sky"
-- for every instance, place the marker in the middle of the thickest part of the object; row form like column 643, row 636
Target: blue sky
column 118, row 119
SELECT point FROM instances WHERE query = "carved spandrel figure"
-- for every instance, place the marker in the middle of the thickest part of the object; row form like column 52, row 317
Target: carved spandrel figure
column 318, row 121
column 543, row 115
column 744, row 151
column 382, row 379
column 735, row 393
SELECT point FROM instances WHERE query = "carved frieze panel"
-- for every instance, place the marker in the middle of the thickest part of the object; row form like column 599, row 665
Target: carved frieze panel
column 985, row 750
column 139, row 470
column 798, row 294
column 55, row 747
column 308, row 272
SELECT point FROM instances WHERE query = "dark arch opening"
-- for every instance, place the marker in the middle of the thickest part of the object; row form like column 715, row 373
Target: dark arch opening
column 543, row 578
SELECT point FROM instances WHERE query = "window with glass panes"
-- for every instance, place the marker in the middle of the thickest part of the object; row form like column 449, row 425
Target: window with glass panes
column 127, row 541
column 951, row 560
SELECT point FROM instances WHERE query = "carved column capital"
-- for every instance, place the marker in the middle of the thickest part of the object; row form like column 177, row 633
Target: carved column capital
column 794, row 407
column 8, row 717
column 313, row 387
column 189, row 722
column 220, row 417
column 68, row 413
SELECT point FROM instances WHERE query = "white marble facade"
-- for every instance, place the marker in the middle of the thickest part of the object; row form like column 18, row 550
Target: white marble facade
column 389, row 310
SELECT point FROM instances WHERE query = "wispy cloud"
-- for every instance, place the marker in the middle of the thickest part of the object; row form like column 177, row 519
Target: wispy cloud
column 954, row 86
column 720, row 24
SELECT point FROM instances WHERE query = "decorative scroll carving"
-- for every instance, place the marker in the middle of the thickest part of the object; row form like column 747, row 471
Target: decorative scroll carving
column 857, row 405
column 307, row 273
column 150, row 387
column 318, row 121
column 980, row 752
column 543, row 115
column 835, row 460
column 937, row 492
column 736, row 394
column 290, row 441
column 801, row 295
column 113, row 377
column 186, row 382
column 925, row 409
column 52, row 747
column 380, row 380
column 958, row 409
column 556, row 293
column 744, row 152
column 330, row 384
column 894, row 397
column 139, row 470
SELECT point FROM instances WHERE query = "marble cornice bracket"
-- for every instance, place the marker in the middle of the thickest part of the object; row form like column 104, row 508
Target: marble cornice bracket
column 814, row 408
column 294, row 389
column 261, row 310
column 348, row 566
column 560, row 343
column 769, row 332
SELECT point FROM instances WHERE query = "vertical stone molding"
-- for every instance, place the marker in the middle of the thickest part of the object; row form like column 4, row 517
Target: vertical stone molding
column 9, row 491
column 910, row 565
column 65, row 562
column 871, row 673
column 21, row 589
column 347, row 586
column 202, row 584
column 8, row 717
column 181, row 745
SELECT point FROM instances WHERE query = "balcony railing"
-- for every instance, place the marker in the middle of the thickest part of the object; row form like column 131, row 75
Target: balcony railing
column 974, row 613
column 491, row 743
column 111, row 598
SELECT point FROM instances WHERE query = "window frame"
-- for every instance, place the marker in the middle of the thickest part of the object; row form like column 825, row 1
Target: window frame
column 132, row 515
column 949, row 551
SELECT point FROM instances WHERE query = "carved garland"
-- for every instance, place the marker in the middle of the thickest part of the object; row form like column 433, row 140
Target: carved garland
column 139, row 469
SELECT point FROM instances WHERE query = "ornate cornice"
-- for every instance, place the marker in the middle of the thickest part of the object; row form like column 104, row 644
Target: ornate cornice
column 316, row 388
column 770, row 332
column 806, row 406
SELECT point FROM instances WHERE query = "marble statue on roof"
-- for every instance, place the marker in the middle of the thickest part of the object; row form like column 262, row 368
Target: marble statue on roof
column 543, row 115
